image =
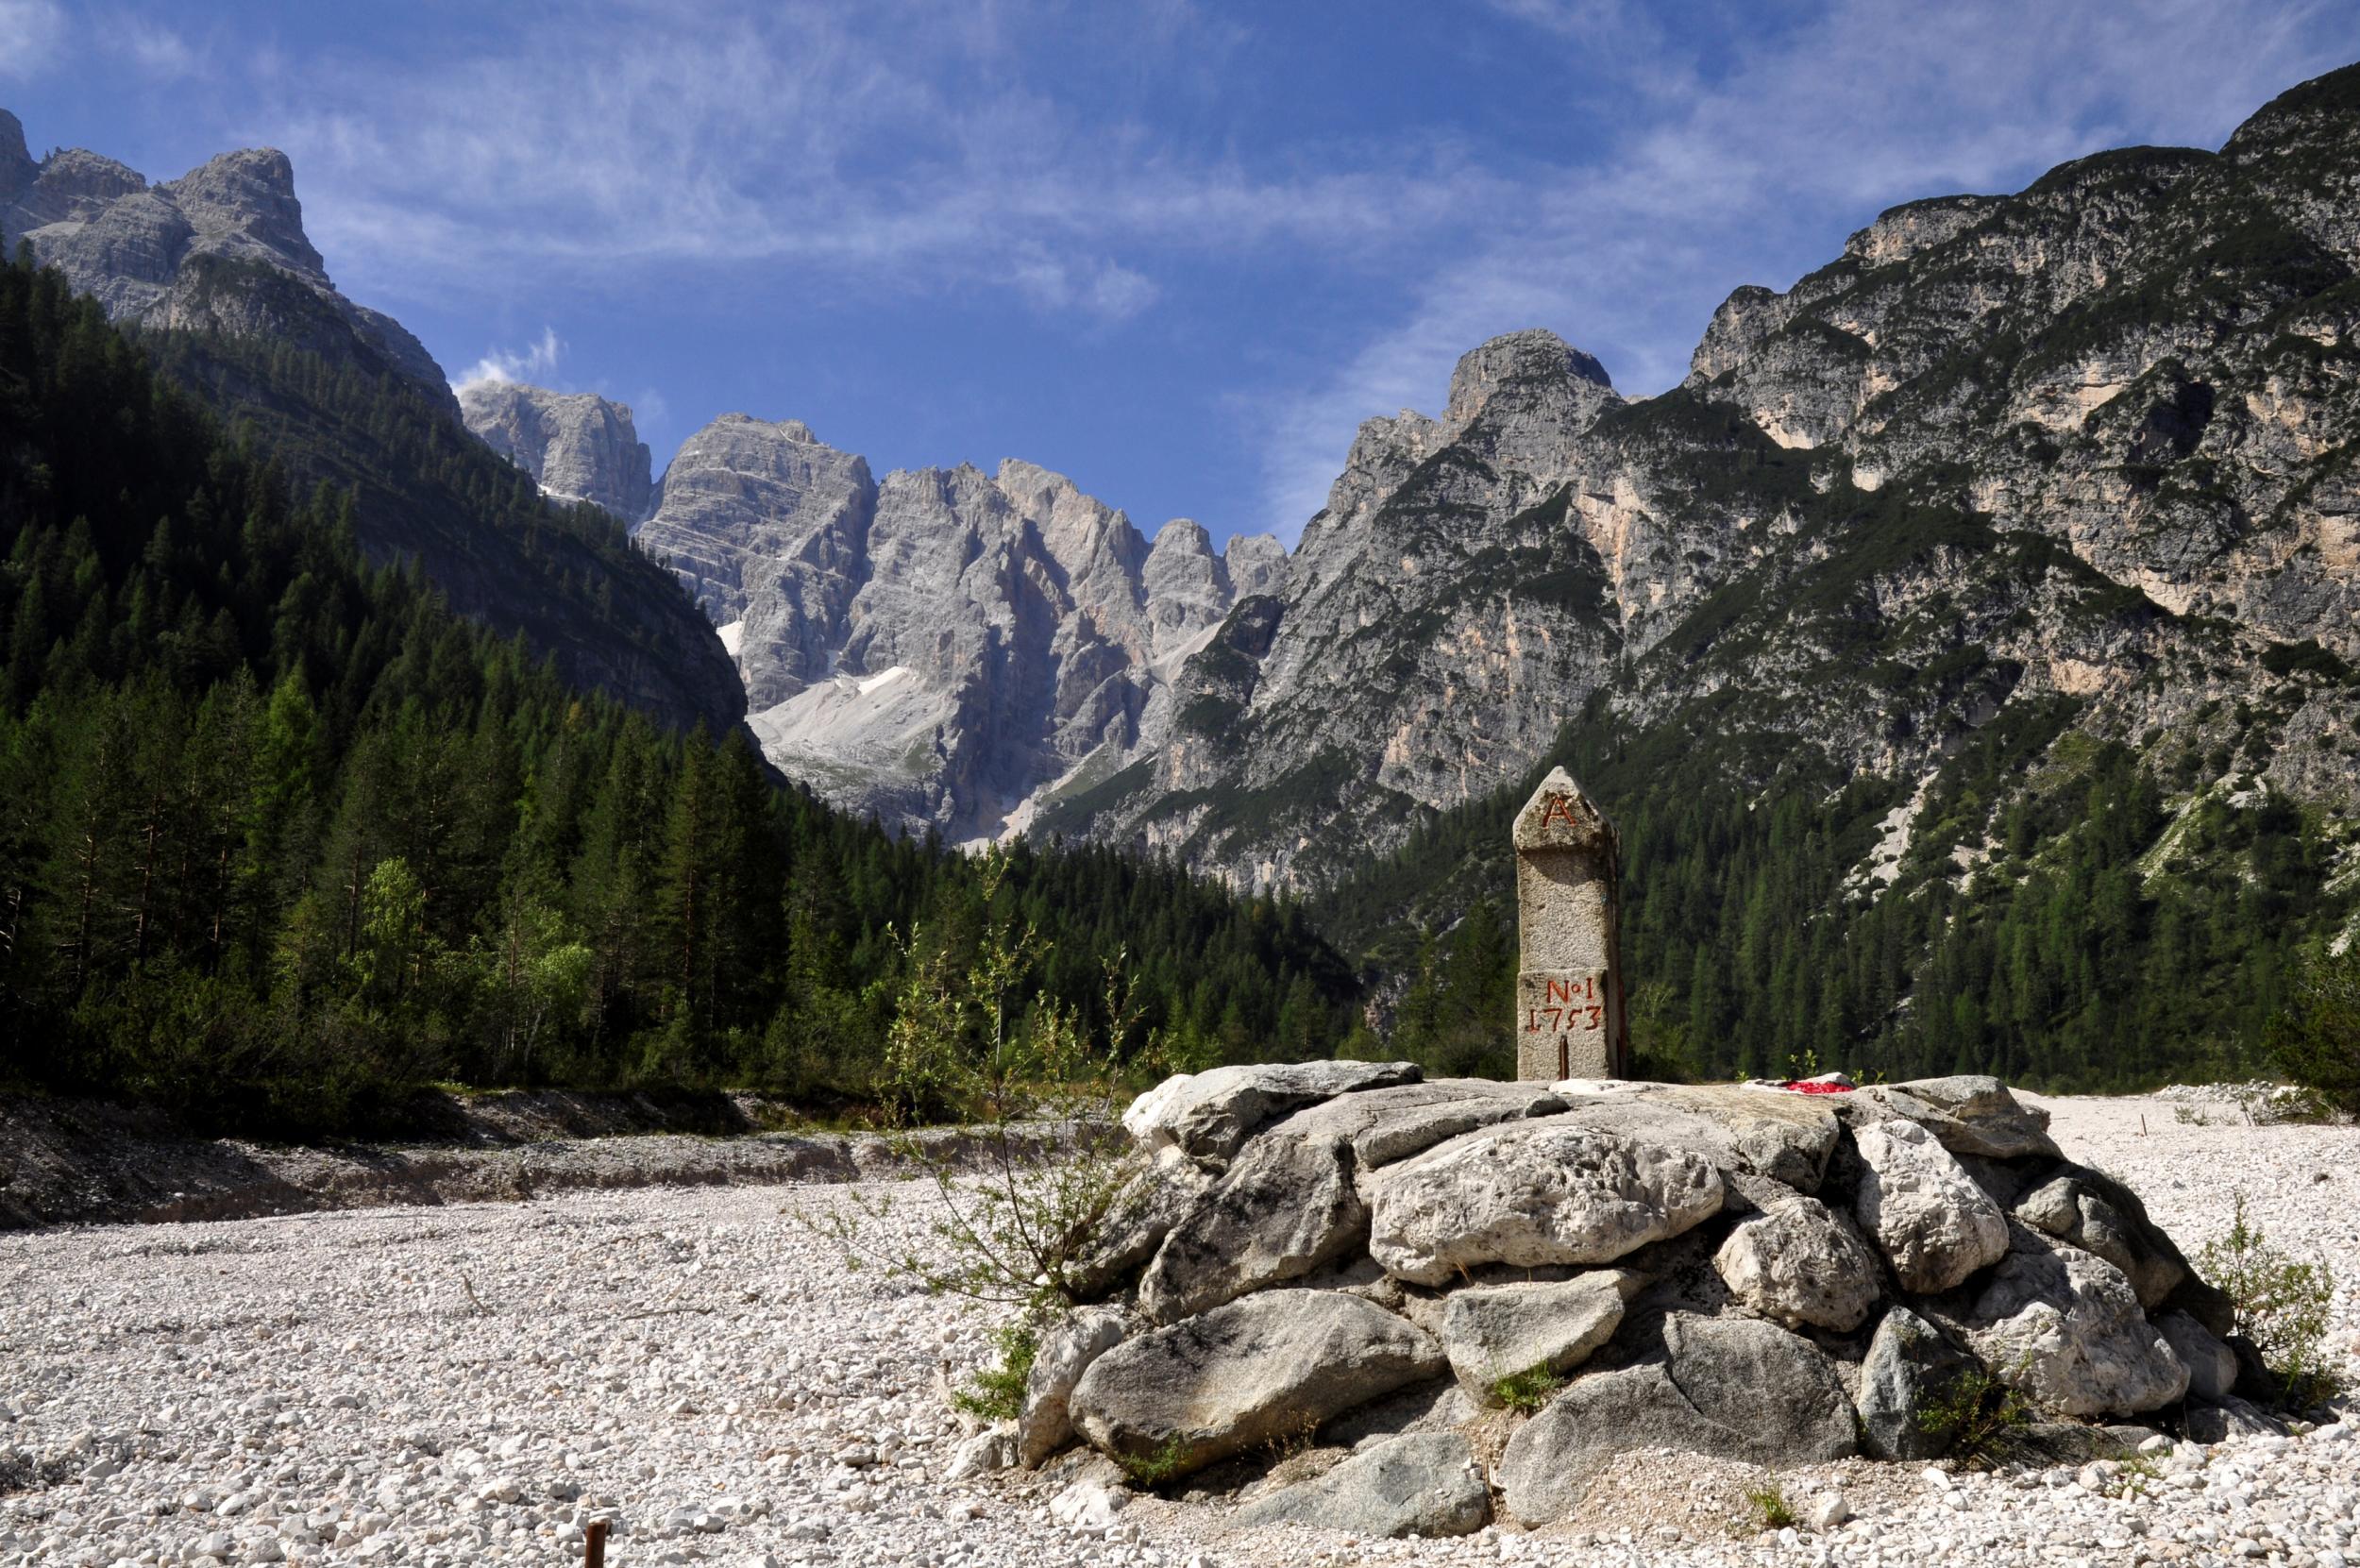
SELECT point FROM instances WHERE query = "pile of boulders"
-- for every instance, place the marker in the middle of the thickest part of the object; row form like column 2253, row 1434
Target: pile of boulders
column 1490, row 1291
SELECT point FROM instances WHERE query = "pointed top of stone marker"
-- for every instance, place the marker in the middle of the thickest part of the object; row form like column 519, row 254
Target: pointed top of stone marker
column 1560, row 815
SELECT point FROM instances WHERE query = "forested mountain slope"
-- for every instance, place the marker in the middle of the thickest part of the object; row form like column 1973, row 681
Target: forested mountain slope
column 281, row 835
column 215, row 271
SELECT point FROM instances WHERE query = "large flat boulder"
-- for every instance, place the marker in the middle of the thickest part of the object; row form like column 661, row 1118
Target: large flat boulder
column 1758, row 1132
column 1727, row 1388
column 1495, row 1331
column 1531, row 1193
column 1271, row 1365
column 1211, row 1114
column 1908, row 1373
column 1286, row 1206
column 1799, row 1263
column 1427, row 1483
column 1969, row 1114
column 1390, row 1124
column 2066, row 1326
column 1919, row 1204
column 2100, row 1215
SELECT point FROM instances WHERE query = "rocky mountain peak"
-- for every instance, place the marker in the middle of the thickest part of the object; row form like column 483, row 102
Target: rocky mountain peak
column 17, row 168
column 1256, row 563
column 1524, row 398
column 577, row 447
column 244, row 204
column 1900, row 232
column 154, row 254
column 1524, row 370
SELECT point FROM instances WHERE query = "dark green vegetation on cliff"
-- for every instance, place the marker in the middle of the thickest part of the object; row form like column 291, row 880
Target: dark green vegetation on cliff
column 566, row 577
column 281, row 833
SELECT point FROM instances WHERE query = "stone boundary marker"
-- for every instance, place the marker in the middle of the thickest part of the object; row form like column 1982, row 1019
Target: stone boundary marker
column 1569, row 979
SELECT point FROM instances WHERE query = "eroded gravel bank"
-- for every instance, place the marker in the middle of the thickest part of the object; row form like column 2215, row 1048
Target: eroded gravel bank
column 471, row 1383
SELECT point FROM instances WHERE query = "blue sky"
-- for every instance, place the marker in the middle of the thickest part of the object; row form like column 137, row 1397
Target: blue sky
column 1177, row 251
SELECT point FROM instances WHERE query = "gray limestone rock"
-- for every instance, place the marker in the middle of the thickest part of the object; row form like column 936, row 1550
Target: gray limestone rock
column 1909, row 1366
column 1271, row 1365
column 1286, row 1206
column 1155, row 1197
column 1729, row 1388
column 1064, row 1353
column 1495, row 1331
column 1388, row 1124
column 1756, row 1132
column 1968, row 1115
column 1934, row 1225
column 2212, row 1365
column 1211, row 1114
column 1425, row 1483
column 577, row 447
column 2100, row 1215
column 1800, row 1264
column 2065, row 1327
column 1533, row 1193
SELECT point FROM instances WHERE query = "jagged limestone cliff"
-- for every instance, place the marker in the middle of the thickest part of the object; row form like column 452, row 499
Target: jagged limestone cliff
column 578, row 447
column 945, row 647
column 2085, row 452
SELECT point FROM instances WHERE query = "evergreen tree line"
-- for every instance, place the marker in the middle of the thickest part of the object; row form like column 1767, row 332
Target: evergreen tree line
column 2055, row 921
column 282, row 837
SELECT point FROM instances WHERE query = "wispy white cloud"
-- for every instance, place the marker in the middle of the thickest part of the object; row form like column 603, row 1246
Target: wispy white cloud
column 32, row 34
column 536, row 362
column 883, row 148
column 155, row 49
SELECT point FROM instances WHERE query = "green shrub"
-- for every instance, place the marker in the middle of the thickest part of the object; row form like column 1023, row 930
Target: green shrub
column 1978, row 1414
column 1771, row 1506
column 1527, row 1390
column 997, row 1393
column 2282, row 1305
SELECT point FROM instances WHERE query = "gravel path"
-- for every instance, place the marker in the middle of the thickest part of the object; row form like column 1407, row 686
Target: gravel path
column 471, row 1384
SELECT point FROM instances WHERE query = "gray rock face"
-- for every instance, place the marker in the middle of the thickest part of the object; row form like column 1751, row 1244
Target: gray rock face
column 947, row 648
column 2212, row 1365
column 1736, row 1390
column 1495, row 1331
column 1064, row 1353
column 1286, row 1206
column 1967, row 1115
column 1800, row 1264
column 1531, row 1193
column 1268, row 1366
column 1389, row 1124
column 1779, row 1137
column 212, row 250
column 1908, row 1370
column 1211, row 1114
column 2065, row 1327
column 1157, row 1196
column 2100, row 1215
column 577, row 447
column 1425, row 1483
column 1934, row 1225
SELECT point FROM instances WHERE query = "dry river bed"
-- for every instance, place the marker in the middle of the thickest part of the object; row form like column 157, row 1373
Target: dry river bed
column 473, row 1384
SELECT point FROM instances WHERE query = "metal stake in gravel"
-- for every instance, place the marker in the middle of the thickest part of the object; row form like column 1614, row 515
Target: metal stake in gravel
column 594, row 1544
column 1569, row 981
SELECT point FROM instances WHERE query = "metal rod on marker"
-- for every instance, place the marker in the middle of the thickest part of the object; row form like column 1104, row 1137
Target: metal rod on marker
column 594, row 1544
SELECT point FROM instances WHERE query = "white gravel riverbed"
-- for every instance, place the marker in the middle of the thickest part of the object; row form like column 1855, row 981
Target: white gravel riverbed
column 472, row 1384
